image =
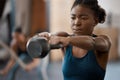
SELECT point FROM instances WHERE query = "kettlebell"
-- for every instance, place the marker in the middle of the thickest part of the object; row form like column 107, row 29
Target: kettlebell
column 38, row 47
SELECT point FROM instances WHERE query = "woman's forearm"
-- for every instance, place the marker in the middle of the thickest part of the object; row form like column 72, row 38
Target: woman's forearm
column 9, row 65
column 85, row 42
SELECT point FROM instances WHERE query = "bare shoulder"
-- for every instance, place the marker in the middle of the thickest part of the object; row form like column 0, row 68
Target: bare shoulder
column 106, row 38
column 103, row 43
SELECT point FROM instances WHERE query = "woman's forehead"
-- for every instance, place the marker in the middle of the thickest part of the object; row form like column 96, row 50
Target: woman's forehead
column 80, row 9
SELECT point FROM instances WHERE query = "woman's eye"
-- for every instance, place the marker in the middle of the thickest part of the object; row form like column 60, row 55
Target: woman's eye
column 72, row 18
column 84, row 18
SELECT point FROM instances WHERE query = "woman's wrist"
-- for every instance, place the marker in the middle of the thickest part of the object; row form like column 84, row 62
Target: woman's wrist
column 68, row 39
column 65, row 40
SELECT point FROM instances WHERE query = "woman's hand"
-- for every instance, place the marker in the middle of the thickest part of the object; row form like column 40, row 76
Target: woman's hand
column 44, row 34
column 56, row 40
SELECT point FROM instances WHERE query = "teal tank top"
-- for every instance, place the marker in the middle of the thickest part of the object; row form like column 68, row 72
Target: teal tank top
column 85, row 68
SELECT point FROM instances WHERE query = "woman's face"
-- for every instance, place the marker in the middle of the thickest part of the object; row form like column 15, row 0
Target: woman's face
column 82, row 20
column 18, row 36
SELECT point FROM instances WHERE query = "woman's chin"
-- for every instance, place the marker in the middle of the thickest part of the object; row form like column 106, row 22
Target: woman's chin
column 77, row 33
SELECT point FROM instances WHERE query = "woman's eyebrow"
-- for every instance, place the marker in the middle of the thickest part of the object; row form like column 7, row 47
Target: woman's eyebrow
column 79, row 15
column 73, row 15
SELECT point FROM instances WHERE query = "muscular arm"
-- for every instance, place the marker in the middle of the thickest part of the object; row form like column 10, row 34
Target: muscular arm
column 85, row 42
column 101, row 43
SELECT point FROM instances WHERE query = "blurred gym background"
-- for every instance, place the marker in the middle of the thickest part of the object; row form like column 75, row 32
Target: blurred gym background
column 53, row 15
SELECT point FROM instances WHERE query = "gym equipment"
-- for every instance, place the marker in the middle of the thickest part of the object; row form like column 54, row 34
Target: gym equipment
column 38, row 47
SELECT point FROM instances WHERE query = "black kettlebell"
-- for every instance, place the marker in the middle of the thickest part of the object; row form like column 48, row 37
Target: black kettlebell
column 38, row 47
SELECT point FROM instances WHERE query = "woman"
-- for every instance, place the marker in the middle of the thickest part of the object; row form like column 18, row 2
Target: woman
column 18, row 45
column 85, row 54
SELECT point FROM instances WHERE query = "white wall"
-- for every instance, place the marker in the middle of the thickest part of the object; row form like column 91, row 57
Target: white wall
column 110, row 5
column 23, row 14
column 113, row 7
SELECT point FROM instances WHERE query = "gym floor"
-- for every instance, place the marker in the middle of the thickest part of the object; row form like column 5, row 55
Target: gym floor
column 55, row 73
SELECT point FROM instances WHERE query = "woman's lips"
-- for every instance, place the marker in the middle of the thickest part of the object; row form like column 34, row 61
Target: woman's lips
column 77, row 30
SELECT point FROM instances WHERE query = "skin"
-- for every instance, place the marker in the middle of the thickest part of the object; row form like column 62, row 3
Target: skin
column 83, row 21
column 18, row 41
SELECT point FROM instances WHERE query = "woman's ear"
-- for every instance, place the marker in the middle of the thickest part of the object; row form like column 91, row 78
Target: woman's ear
column 96, row 21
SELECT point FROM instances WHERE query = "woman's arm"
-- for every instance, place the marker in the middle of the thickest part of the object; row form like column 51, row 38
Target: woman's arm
column 32, row 64
column 103, row 43
column 100, row 43
column 7, row 68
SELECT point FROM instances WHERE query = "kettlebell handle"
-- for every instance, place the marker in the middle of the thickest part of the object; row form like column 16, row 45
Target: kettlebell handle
column 56, row 46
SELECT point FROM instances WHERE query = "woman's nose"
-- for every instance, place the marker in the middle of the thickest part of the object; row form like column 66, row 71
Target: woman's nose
column 77, row 22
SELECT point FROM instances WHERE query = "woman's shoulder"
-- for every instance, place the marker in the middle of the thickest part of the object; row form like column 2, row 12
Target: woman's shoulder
column 104, row 42
column 105, row 37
